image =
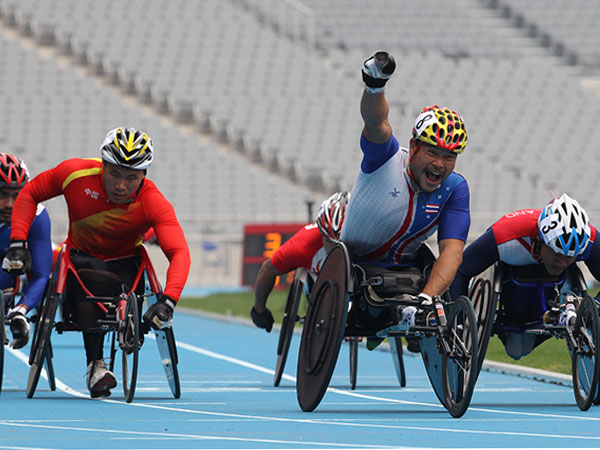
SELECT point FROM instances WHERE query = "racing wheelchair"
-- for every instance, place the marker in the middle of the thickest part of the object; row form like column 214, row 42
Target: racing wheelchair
column 552, row 295
column 290, row 317
column 447, row 329
column 122, row 324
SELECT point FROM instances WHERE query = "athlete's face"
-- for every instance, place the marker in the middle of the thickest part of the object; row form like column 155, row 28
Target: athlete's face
column 120, row 183
column 555, row 263
column 430, row 165
column 8, row 196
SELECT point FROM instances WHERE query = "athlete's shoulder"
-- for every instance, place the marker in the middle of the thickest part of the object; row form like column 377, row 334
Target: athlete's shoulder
column 455, row 179
column 521, row 223
column 81, row 163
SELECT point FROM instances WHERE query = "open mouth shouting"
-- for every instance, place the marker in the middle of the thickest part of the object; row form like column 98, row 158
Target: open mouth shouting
column 433, row 177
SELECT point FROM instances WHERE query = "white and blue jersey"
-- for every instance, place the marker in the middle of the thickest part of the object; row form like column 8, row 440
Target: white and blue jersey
column 40, row 246
column 387, row 220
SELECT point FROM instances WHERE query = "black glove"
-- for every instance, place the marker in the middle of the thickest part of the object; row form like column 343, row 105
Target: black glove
column 160, row 315
column 377, row 70
column 18, row 326
column 264, row 320
column 17, row 260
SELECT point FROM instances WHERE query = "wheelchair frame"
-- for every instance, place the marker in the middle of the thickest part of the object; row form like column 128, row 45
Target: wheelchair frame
column 582, row 341
column 449, row 347
column 122, row 322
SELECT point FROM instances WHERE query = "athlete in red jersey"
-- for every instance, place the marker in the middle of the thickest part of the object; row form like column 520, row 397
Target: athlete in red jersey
column 111, row 206
column 307, row 248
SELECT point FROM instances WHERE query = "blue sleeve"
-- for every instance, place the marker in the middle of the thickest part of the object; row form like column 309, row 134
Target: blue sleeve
column 455, row 219
column 592, row 261
column 478, row 256
column 40, row 246
column 375, row 155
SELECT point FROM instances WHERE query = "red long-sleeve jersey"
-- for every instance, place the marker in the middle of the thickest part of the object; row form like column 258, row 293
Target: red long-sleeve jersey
column 101, row 228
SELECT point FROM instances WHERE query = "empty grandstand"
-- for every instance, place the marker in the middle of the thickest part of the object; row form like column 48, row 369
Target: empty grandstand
column 253, row 104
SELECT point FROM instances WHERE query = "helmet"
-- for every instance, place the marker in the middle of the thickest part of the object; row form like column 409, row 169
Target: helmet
column 564, row 226
column 441, row 127
column 331, row 215
column 127, row 147
column 13, row 172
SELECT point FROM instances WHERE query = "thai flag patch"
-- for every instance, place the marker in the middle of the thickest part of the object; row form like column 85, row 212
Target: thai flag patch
column 432, row 209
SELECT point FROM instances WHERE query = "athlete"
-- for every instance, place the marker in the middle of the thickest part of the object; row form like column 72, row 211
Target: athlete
column 13, row 176
column 402, row 196
column 307, row 248
column 111, row 206
column 554, row 238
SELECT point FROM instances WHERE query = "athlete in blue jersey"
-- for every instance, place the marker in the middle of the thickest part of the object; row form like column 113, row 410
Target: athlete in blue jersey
column 13, row 176
column 402, row 196
column 553, row 238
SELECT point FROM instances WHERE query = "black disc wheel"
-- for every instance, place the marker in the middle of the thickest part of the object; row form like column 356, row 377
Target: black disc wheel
column 290, row 317
column 323, row 330
column 41, row 349
column 129, row 341
column 459, row 360
column 353, row 341
column 585, row 368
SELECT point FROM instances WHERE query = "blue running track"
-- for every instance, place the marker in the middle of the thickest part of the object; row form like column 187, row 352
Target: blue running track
column 228, row 401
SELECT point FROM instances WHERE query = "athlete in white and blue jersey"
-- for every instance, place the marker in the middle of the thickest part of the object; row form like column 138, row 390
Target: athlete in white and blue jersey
column 13, row 176
column 401, row 197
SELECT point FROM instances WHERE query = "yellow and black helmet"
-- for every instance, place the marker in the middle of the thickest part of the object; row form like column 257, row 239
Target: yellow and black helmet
column 128, row 147
column 441, row 127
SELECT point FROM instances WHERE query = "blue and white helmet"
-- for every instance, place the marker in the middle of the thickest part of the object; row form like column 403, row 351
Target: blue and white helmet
column 564, row 226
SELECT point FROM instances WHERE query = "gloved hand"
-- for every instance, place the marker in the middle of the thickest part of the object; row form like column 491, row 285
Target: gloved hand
column 377, row 70
column 425, row 299
column 18, row 326
column 262, row 320
column 160, row 315
column 17, row 260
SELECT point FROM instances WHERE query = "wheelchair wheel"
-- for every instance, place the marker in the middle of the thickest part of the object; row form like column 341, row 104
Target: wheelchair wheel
column 290, row 317
column 323, row 330
column 484, row 298
column 41, row 349
column 459, row 364
column 3, row 338
column 167, row 348
column 129, row 339
column 585, row 356
column 396, row 349
column 353, row 341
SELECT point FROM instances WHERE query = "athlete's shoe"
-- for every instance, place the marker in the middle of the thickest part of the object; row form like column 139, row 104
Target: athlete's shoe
column 100, row 380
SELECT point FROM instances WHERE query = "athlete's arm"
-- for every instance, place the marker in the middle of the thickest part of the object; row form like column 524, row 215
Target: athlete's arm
column 593, row 260
column 171, row 239
column 374, row 109
column 478, row 256
column 43, row 187
column 40, row 246
column 263, row 286
column 445, row 267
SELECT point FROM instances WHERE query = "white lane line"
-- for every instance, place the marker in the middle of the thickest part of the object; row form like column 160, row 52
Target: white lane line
column 237, row 361
column 372, row 397
column 180, row 435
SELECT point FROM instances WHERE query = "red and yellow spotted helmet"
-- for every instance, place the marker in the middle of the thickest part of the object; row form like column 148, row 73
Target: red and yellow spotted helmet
column 441, row 127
